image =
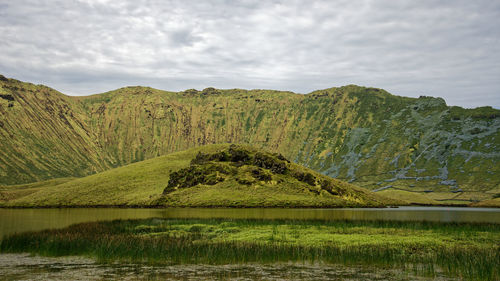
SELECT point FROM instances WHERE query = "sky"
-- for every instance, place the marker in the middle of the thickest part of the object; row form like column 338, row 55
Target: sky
column 448, row 49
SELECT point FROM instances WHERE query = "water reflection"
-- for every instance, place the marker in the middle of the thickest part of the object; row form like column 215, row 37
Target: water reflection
column 20, row 220
column 26, row 267
column 437, row 214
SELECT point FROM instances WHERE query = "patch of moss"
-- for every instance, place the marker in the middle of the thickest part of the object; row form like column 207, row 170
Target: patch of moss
column 261, row 174
column 213, row 168
column 305, row 177
column 208, row 173
column 240, row 156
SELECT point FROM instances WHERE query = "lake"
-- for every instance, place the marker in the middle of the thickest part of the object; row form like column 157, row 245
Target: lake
column 21, row 220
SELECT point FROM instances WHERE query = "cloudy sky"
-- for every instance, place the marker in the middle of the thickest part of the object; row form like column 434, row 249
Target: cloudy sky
column 449, row 49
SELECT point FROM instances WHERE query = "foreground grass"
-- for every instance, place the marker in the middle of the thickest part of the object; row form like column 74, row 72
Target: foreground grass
column 469, row 251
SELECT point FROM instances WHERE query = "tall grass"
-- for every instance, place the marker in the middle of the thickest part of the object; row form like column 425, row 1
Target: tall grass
column 210, row 242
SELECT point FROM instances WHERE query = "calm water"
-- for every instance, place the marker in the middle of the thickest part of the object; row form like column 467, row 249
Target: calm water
column 20, row 220
column 26, row 267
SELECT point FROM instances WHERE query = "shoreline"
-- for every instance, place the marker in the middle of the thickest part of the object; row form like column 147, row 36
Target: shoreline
column 237, row 207
column 461, row 250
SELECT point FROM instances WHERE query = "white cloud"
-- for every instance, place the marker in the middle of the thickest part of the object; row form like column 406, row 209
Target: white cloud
column 447, row 49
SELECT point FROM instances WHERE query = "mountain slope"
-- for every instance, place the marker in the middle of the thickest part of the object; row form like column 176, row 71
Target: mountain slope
column 363, row 135
column 199, row 177
column 44, row 135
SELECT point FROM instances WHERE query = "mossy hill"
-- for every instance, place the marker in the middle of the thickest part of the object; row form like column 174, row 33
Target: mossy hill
column 362, row 135
column 209, row 176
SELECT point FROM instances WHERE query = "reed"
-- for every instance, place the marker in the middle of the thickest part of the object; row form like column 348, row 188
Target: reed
column 468, row 251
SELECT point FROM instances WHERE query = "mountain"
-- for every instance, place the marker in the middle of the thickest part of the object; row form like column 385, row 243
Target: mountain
column 220, row 175
column 362, row 135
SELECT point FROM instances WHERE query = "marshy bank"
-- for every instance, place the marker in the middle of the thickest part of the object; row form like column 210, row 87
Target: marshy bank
column 456, row 250
column 27, row 267
column 22, row 220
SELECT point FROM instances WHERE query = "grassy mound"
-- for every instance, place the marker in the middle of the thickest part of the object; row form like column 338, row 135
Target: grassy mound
column 219, row 175
column 241, row 176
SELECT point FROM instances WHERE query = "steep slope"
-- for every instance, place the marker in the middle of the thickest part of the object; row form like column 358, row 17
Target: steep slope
column 44, row 135
column 353, row 133
column 362, row 135
column 215, row 175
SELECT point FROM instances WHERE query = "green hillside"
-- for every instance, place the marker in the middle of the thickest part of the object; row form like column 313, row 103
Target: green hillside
column 209, row 176
column 43, row 135
column 362, row 135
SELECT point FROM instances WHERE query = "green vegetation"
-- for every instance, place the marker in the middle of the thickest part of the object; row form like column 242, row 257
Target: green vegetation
column 362, row 135
column 468, row 251
column 220, row 175
column 492, row 203
column 409, row 197
column 12, row 192
column 241, row 176
column 136, row 184
column 209, row 176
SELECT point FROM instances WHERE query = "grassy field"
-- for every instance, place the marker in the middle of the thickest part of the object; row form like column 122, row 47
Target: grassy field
column 493, row 203
column 135, row 184
column 467, row 251
column 243, row 177
column 409, row 197
column 225, row 183
column 446, row 198
column 13, row 192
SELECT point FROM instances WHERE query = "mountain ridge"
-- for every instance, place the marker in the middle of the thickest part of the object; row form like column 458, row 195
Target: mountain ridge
column 360, row 134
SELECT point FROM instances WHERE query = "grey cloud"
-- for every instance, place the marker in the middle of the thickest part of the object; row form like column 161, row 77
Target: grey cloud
column 440, row 48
